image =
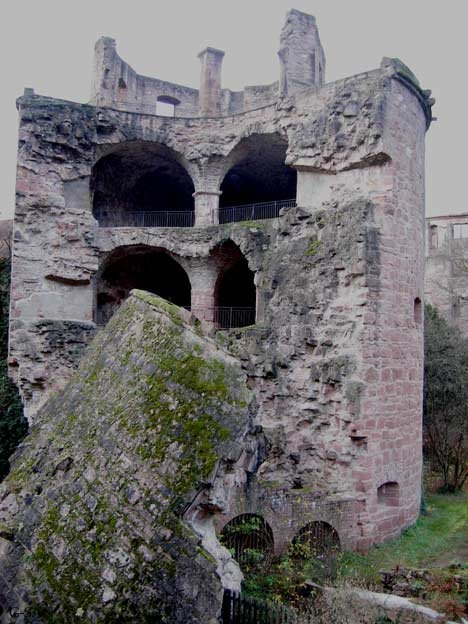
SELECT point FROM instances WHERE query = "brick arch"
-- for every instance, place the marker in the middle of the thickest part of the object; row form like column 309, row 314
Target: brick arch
column 248, row 531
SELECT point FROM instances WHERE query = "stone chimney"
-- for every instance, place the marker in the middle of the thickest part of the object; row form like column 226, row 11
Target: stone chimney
column 302, row 59
column 210, row 82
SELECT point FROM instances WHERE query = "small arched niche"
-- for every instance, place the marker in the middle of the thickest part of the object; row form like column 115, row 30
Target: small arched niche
column 235, row 292
column 388, row 494
column 257, row 183
column 250, row 538
column 418, row 311
column 142, row 184
column 144, row 268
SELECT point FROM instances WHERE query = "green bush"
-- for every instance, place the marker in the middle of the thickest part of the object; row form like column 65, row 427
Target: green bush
column 13, row 425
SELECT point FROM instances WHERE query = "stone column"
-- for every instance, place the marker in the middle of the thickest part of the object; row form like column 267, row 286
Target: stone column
column 210, row 82
column 206, row 207
column 203, row 275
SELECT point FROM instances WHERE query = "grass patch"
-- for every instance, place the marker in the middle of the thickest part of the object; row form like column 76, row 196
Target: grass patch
column 437, row 540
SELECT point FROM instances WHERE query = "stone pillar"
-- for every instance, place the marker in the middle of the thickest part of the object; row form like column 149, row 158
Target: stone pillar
column 210, row 82
column 206, row 207
column 203, row 275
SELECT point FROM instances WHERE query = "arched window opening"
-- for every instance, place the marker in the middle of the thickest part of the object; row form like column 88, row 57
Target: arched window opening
column 122, row 83
column 166, row 105
column 259, row 183
column 388, row 494
column 318, row 543
column 417, row 311
column 249, row 538
column 143, row 268
column 235, row 292
column 142, row 185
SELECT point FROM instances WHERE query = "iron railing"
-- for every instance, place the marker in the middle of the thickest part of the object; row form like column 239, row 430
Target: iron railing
column 223, row 317
column 253, row 212
column 241, row 609
column 146, row 218
column 228, row 317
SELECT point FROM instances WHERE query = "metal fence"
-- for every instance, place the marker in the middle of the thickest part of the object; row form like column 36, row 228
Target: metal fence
column 226, row 317
column 252, row 212
column 250, row 540
column 241, row 609
column 168, row 218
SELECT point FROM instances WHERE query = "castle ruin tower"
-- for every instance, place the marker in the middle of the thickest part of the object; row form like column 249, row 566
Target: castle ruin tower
column 302, row 59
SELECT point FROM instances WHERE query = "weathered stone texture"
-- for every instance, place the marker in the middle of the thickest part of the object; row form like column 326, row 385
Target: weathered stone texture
column 91, row 516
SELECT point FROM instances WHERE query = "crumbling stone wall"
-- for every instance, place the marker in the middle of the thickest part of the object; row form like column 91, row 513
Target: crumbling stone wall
column 91, row 516
column 335, row 357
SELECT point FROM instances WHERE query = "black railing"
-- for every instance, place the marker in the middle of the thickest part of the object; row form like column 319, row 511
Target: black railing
column 253, row 212
column 144, row 218
column 226, row 317
column 241, row 609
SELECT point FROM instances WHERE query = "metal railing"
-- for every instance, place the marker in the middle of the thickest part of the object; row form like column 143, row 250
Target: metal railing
column 146, row 218
column 242, row 609
column 253, row 212
column 227, row 317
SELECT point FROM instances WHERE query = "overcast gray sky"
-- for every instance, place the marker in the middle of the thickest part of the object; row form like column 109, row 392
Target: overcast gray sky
column 48, row 45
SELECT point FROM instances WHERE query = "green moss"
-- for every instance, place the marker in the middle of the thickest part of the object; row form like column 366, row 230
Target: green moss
column 313, row 247
column 405, row 71
column 170, row 309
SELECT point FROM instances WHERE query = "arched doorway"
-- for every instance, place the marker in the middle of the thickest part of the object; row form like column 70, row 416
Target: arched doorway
column 142, row 185
column 235, row 292
column 258, row 183
column 144, row 268
column 250, row 538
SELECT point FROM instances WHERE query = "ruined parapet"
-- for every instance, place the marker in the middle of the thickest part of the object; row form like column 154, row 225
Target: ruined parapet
column 92, row 514
column 302, row 59
column 302, row 66
column 117, row 85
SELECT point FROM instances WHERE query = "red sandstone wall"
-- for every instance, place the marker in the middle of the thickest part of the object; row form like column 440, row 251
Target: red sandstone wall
column 392, row 340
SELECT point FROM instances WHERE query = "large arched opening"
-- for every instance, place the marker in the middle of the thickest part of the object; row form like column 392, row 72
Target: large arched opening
column 258, row 183
column 142, row 185
column 144, row 268
column 235, row 292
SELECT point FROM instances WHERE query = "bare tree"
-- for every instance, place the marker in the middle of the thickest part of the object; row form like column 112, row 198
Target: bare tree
column 446, row 399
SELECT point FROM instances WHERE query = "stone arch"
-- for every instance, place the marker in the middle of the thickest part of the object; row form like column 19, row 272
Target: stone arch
column 319, row 538
column 142, row 184
column 255, row 172
column 246, row 533
column 142, row 267
column 235, row 293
